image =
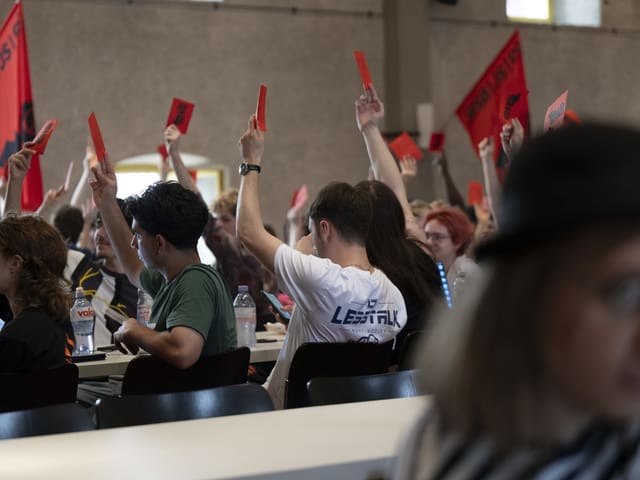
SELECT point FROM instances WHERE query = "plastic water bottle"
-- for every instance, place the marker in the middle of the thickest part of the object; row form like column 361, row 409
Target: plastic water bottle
column 144, row 309
column 83, row 322
column 245, row 310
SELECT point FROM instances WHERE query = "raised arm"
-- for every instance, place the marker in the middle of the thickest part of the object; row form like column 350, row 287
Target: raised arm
column 19, row 164
column 369, row 113
column 249, row 226
column 172, row 141
column 454, row 197
column 50, row 201
column 82, row 192
column 491, row 183
column 512, row 136
column 104, row 196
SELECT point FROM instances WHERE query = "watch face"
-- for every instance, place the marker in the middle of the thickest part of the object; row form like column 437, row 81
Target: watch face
column 242, row 169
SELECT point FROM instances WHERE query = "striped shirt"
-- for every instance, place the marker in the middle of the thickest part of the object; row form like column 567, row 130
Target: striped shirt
column 601, row 452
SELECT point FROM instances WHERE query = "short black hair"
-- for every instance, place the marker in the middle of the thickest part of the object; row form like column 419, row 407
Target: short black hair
column 123, row 208
column 348, row 209
column 68, row 221
column 170, row 210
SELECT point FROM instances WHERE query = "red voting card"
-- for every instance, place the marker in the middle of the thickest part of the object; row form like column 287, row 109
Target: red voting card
column 180, row 114
column 96, row 136
column 261, row 114
column 67, row 180
column 436, row 142
column 300, row 196
column 475, row 193
column 42, row 138
column 365, row 75
column 555, row 113
column 162, row 150
column 403, row 145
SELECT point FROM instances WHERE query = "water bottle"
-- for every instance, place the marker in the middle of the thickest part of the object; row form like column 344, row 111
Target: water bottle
column 245, row 310
column 144, row 309
column 83, row 322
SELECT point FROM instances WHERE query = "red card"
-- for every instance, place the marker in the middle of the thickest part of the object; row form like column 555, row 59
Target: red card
column 475, row 193
column 42, row 138
column 365, row 75
column 436, row 142
column 403, row 145
column 554, row 117
column 180, row 114
column 162, row 150
column 300, row 196
column 96, row 136
column 261, row 109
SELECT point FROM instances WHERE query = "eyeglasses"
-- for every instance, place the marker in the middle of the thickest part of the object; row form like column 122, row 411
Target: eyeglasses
column 436, row 237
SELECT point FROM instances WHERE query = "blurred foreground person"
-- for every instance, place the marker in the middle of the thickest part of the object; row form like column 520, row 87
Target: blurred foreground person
column 536, row 373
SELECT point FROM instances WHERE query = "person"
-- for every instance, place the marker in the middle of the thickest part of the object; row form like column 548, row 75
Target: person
column 236, row 265
column 104, row 281
column 449, row 233
column 332, row 289
column 192, row 307
column 32, row 260
column 536, row 373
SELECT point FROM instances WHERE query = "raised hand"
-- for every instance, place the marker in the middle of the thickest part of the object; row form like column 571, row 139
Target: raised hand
column 486, row 149
column 20, row 162
column 252, row 142
column 512, row 136
column 105, row 186
column 369, row 109
column 408, row 168
column 172, row 138
column 90, row 158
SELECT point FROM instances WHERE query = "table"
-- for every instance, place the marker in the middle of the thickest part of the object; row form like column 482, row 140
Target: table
column 116, row 362
column 338, row 441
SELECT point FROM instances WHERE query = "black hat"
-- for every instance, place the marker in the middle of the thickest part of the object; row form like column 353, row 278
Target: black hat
column 572, row 178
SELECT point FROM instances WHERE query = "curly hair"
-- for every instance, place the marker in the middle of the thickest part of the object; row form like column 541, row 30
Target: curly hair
column 43, row 251
column 457, row 224
column 170, row 210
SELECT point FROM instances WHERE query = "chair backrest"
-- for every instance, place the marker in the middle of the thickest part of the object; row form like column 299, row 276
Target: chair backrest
column 24, row 390
column 330, row 390
column 170, row 407
column 409, row 349
column 149, row 374
column 62, row 418
column 313, row 360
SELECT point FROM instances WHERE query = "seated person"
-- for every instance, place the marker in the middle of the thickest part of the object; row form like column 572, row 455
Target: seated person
column 536, row 373
column 104, row 281
column 328, row 288
column 32, row 260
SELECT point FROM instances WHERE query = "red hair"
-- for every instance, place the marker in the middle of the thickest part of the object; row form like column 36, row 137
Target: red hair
column 457, row 224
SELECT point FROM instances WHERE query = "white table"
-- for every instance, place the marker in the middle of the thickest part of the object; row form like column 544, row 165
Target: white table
column 116, row 362
column 338, row 441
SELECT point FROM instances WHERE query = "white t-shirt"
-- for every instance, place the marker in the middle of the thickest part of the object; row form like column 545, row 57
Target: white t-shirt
column 333, row 304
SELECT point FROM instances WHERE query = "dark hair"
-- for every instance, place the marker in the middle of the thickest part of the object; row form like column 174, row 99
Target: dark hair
column 123, row 208
column 68, row 221
column 347, row 208
column 401, row 258
column 44, row 254
column 170, row 210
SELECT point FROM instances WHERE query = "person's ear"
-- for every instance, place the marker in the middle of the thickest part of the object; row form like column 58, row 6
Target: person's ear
column 324, row 229
column 161, row 244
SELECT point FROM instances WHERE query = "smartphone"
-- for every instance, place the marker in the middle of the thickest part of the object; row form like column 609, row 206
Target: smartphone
column 277, row 306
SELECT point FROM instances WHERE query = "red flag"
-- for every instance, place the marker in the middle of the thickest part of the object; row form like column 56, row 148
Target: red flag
column 16, row 103
column 502, row 87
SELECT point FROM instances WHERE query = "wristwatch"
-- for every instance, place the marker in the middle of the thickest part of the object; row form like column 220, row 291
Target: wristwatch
column 247, row 167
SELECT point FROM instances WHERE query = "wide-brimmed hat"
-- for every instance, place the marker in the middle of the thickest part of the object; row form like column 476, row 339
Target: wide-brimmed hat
column 573, row 178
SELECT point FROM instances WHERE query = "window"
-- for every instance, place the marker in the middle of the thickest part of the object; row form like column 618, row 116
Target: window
column 580, row 13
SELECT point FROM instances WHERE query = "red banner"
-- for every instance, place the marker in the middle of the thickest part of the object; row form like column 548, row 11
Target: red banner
column 499, row 95
column 16, row 103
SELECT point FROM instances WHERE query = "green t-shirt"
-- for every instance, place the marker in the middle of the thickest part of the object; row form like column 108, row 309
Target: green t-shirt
column 196, row 298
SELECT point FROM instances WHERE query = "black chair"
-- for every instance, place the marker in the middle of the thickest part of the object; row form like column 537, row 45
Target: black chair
column 63, row 418
column 409, row 349
column 149, row 374
column 170, row 407
column 24, row 390
column 330, row 390
column 313, row 360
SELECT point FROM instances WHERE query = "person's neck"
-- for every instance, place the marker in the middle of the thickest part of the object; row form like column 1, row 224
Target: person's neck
column 351, row 256
column 113, row 264
column 177, row 261
column 447, row 262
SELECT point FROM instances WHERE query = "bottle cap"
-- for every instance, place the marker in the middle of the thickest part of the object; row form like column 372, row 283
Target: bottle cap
column 79, row 292
column 243, row 289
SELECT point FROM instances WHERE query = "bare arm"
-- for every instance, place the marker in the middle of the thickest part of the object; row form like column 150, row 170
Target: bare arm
column 491, row 183
column 454, row 197
column 512, row 136
column 180, row 346
column 369, row 112
column 19, row 164
column 51, row 199
column 172, row 141
column 82, row 192
column 104, row 196
column 249, row 225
